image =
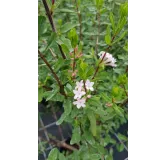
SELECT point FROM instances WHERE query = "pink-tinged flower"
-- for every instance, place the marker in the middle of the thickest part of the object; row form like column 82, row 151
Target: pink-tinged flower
column 108, row 60
column 89, row 85
column 80, row 103
column 78, row 93
column 79, row 85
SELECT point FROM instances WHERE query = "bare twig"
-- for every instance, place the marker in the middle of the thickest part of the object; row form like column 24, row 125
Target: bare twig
column 54, row 74
column 52, row 24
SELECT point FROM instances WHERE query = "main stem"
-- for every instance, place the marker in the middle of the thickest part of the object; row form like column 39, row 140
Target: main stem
column 52, row 24
column 54, row 74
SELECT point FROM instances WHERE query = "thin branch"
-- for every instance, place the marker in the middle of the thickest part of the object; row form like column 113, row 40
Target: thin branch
column 98, row 32
column 74, row 64
column 125, row 90
column 55, row 117
column 54, row 74
column 99, row 65
column 52, row 24
column 47, row 88
column 84, row 86
column 53, row 54
column 124, row 102
column 60, row 144
column 79, row 19
column 49, row 15
column 97, row 69
column 121, row 141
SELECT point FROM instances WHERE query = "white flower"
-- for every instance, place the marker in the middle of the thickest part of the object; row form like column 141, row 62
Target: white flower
column 89, row 85
column 79, row 85
column 108, row 60
column 78, row 93
column 80, row 103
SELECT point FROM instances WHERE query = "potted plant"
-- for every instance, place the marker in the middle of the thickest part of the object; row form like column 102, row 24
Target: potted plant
column 83, row 70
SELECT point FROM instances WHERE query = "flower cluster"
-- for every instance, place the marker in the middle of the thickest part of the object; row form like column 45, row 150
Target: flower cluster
column 108, row 60
column 80, row 92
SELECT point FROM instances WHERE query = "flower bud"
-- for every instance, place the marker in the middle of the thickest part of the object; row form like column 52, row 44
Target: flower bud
column 89, row 96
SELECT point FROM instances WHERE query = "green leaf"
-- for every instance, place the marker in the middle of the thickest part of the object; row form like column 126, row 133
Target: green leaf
column 112, row 22
column 52, row 93
column 118, row 70
column 108, row 36
column 53, row 155
column 120, row 147
column 65, row 10
column 81, row 73
column 101, row 149
column 121, row 23
column 95, row 156
column 99, row 4
column 41, row 25
column 94, row 101
column 68, row 26
column 110, row 157
column 82, row 70
column 126, row 47
column 112, row 141
column 100, row 112
column 83, row 66
column 50, row 40
column 124, row 9
column 90, row 72
column 62, row 118
column 55, row 97
column 92, row 119
column 118, row 111
column 57, row 3
column 40, row 94
column 121, row 37
column 122, row 137
column 105, row 97
column 76, row 136
column 61, row 157
column 67, row 42
column 73, row 37
column 89, row 138
column 65, row 49
column 108, row 39
column 67, row 106
column 58, row 64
